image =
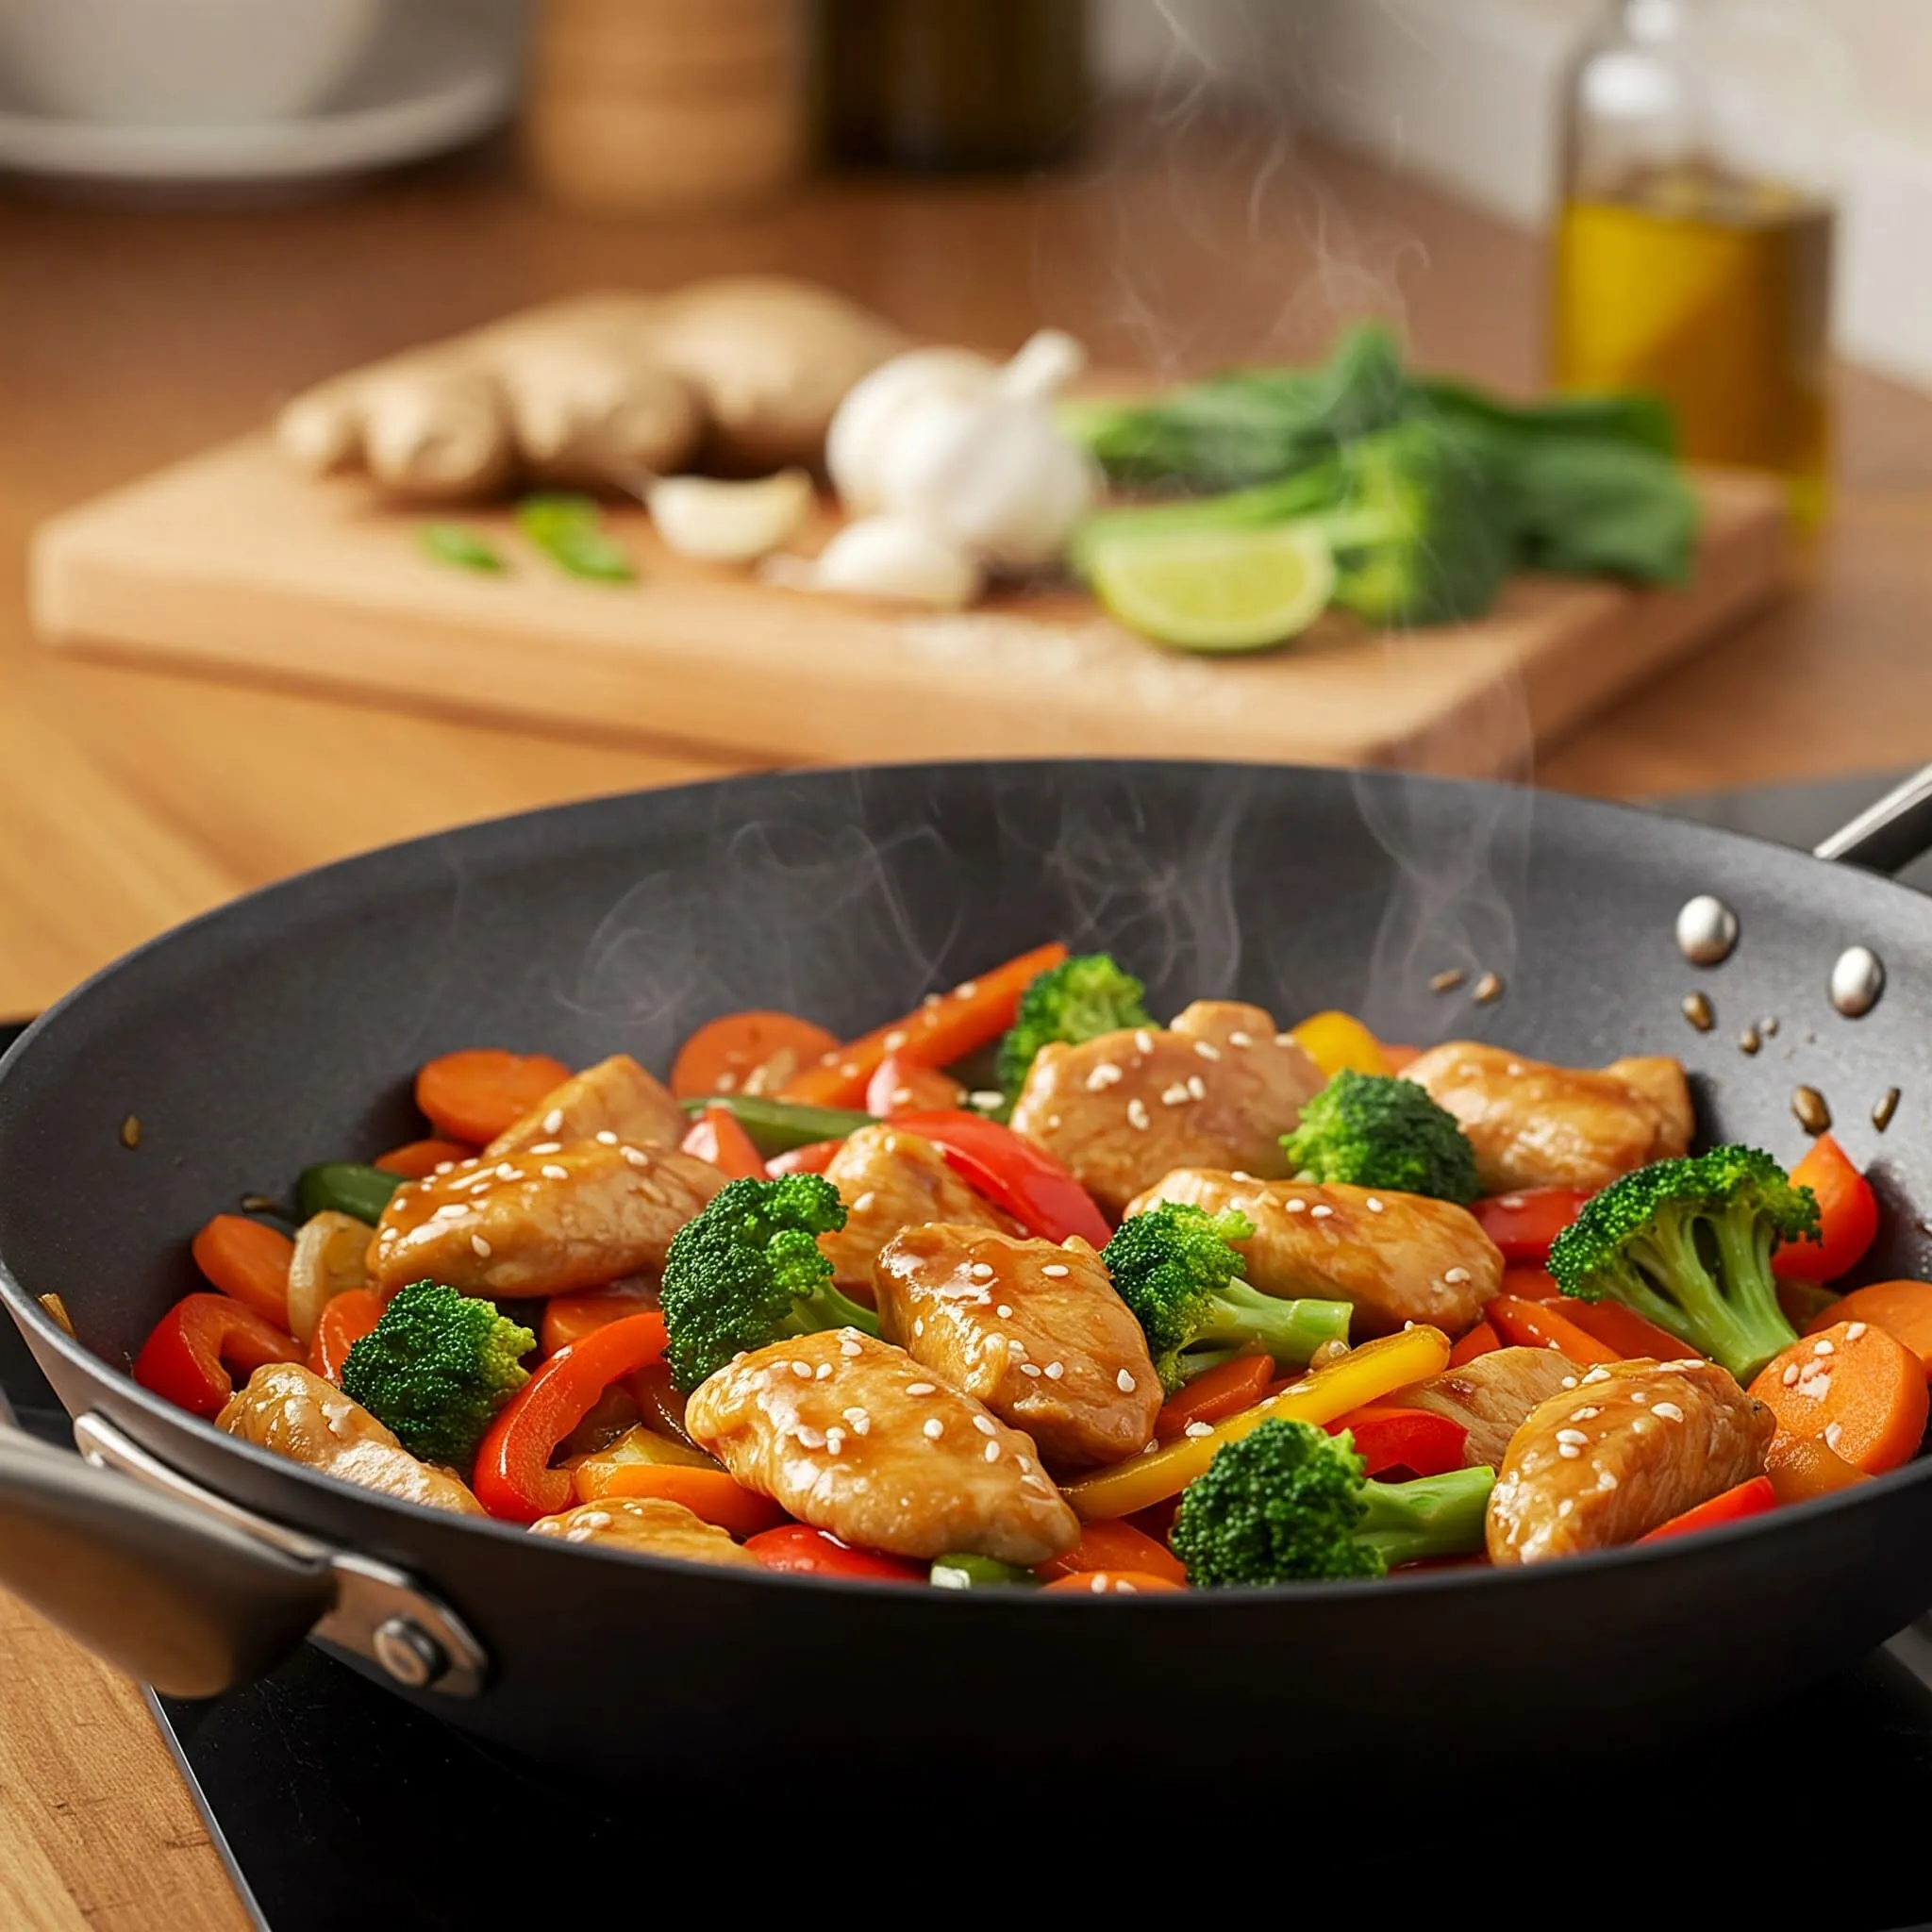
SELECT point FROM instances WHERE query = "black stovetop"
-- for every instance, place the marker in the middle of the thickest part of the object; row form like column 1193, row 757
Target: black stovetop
column 336, row 1804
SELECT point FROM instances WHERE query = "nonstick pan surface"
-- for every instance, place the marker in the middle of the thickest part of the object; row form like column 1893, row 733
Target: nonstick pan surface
column 284, row 1028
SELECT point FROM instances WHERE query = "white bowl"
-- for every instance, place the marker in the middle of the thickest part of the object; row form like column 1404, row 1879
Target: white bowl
column 182, row 61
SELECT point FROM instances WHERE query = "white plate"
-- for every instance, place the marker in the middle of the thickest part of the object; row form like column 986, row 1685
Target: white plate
column 432, row 82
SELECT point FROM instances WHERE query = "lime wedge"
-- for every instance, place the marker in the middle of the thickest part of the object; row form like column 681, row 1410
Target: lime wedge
column 1215, row 589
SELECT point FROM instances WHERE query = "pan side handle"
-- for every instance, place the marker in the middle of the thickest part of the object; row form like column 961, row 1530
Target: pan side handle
column 1889, row 834
column 188, row 1591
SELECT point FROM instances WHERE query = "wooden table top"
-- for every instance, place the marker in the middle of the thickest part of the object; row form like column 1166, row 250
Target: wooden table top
column 131, row 799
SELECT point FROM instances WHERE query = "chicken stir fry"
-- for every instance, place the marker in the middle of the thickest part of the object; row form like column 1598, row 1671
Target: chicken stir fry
column 1195, row 1305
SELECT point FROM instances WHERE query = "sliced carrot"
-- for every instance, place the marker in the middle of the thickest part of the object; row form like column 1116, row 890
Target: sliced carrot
column 716, row 1136
column 945, row 1028
column 1801, row 1469
column 1481, row 1340
column 416, row 1160
column 569, row 1318
column 1624, row 1330
column 724, row 1053
column 249, row 1260
column 1225, row 1390
column 1855, row 1388
column 346, row 1318
column 1115, row 1544
column 1115, row 1583
column 475, row 1095
column 1902, row 1308
column 707, row 1492
column 1536, row 1325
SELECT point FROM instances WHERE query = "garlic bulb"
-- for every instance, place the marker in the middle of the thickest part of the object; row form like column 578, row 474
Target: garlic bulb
column 728, row 523
column 885, row 556
column 867, row 419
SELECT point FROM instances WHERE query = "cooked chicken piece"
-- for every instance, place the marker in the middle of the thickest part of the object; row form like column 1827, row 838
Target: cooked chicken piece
column 616, row 1096
column 1490, row 1397
column 297, row 1414
column 577, row 1216
column 1033, row 1329
column 1632, row 1445
column 890, row 1180
column 1217, row 1089
column 853, row 1436
column 650, row 1526
column 1398, row 1258
column 1536, row 1126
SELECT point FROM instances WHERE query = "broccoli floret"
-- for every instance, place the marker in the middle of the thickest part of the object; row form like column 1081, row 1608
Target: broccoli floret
column 1688, row 1243
column 1174, row 1269
column 1289, row 1502
column 1370, row 1130
column 747, row 1271
column 1079, row 999
column 435, row 1368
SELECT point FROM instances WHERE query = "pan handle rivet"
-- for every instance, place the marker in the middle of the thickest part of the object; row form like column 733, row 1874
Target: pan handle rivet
column 1707, row 931
column 408, row 1651
column 1857, row 978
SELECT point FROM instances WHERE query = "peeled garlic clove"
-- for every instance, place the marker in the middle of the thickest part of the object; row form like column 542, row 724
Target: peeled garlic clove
column 867, row 419
column 728, row 523
column 894, row 558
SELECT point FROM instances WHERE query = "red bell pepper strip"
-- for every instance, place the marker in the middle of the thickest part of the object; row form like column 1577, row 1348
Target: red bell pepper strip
column 902, row 1086
column 796, row 1549
column 1525, row 1223
column 717, row 1137
column 1115, row 1544
column 813, row 1157
column 1014, row 1174
column 189, row 1357
column 1751, row 1498
column 1481, row 1340
column 513, row 1478
column 346, row 1318
column 1536, row 1325
column 1847, row 1216
column 944, row 1029
column 1417, row 1440
column 1530, row 1283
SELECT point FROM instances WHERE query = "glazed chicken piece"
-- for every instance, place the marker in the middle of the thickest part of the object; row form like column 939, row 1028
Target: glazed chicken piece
column 889, row 1180
column 544, row 1222
column 297, row 1414
column 1397, row 1258
column 649, row 1526
column 853, row 1436
column 1536, row 1126
column 1632, row 1445
column 1034, row 1331
column 1491, row 1396
column 616, row 1096
column 1217, row 1089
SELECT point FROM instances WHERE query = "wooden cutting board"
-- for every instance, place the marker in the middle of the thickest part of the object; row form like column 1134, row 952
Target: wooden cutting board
column 231, row 562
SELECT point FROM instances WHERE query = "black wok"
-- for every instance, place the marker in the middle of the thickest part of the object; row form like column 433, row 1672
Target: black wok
column 283, row 1029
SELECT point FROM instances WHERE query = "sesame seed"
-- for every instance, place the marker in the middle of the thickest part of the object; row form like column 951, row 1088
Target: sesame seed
column 1198, row 1430
column 1854, row 1330
column 1295, row 1204
column 1206, row 1050
column 444, row 1167
column 1137, row 1113
column 1832, row 1432
column 802, row 1370
column 821, row 1372
column 1055, row 1370
column 859, row 1419
column 1455, row 1276
column 547, row 1147
column 1240, row 1039
column 922, row 1388
column 1575, row 1436
column 1598, row 1375
column 849, row 1071
column 986, row 1098
column 1791, row 1374
column 506, row 1172
column 727, row 1082
column 553, row 1121
column 1821, row 1347
column 993, row 1451
column 918, row 1324
column 452, row 1210
column 1320, row 1212
column 981, row 1270
column 1197, row 1087
column 934, row 1428
column 932, row 999
column 850, row 1347
column 835, row 1440
column 1587, row 1414
column 1568, row 1382
column 1148, row 1449
column 1144, row 1039
column 551, row 1172
column 1125, row 1382
column 1374, row 1203
column 1640, row 1395
column 1286, row 1040
column 1564, row 1508
column 606, row 1138
column 895, row 1039
column 1030, row 1368
column 479, row 1246
column 984, row 1423
column 1025, row 1463
column 1053, row 1120
column 812, row 1438
column 1004, row 1312
column 1176, row 1095
column 1105, row 1075
column 636, row 1156
column 1669, row 1411
column 1569, row 1451
column 966, row 989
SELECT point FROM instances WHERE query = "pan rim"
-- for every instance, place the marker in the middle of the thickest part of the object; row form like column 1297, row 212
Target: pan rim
column 25, row 1310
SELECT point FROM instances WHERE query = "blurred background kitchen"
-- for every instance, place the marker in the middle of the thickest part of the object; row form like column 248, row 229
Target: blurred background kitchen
column 249, row 623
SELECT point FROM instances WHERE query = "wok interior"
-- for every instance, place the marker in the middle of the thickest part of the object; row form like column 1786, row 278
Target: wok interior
column 247, row 1042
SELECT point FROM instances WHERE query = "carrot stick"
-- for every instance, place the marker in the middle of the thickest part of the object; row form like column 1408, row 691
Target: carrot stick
column 475, row 1095
column 1113, row 1544
column 249, row 1260
column 346, row 1318
column 1902, row 1308
column 1481, row 1340
column 1855, row 1387
column 946, row 1029
column 1114, row 1583
column 1624, row 1330
column 716, row 1136
column 569, row 1318
column 707, row 1492
column 416, row 1160
column 724, row 1053
column 1536, row 1325
column 1222, row 1391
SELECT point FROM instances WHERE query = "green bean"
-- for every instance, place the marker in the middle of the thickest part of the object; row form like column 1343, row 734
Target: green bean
column 777, row 1126
column 961, row 1569
column 345, row 1187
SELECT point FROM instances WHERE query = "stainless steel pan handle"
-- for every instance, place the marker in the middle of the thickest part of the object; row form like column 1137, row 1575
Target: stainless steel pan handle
column 1889, row 834
column 188, row 1591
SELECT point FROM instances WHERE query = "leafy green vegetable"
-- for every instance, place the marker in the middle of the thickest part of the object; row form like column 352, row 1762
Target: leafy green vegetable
column 569, row 531
column 458, row 545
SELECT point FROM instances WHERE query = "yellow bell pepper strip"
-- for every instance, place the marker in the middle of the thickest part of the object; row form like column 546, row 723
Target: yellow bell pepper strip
column 1363, row 1374
column 1336, row 1041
